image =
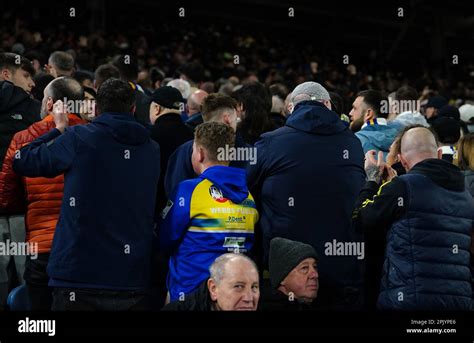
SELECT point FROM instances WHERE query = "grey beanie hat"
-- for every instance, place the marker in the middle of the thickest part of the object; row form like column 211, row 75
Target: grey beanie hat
column 309, row 91
column 284, row 256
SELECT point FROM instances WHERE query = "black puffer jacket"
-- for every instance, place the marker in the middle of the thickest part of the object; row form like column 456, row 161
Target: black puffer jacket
column 17, row 111
column 469, row 180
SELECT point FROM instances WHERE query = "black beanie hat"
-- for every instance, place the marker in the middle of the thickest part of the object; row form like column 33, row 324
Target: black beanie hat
column 450, row 112
column 284, row 256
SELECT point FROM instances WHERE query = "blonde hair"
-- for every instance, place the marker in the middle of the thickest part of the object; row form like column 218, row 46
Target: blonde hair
column 465, row 152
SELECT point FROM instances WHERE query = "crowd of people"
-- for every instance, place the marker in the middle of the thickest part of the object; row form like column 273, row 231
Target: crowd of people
column 181, row 188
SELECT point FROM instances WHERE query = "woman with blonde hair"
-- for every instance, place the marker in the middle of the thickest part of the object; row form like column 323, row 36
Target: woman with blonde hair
column 465, row 159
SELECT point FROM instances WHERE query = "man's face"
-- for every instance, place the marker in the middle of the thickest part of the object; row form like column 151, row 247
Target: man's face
column 303, row 280
column 357, row 114
column 21, row 78
column 87, row 83
column 46, row 104
column 430, row 112
column 239, row 288
column 230, row 118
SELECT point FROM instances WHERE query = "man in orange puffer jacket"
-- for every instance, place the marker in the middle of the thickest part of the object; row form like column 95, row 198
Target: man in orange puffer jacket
column 42, row 197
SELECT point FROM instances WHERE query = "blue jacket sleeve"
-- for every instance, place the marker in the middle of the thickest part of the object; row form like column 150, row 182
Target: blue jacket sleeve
column 257, row 172
column 49, row 155
column 175, row 217
column 180, row 167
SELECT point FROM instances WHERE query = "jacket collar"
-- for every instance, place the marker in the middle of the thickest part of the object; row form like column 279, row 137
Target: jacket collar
column 375, row 121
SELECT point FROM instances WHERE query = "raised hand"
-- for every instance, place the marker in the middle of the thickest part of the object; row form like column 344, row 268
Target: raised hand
column 60, row 115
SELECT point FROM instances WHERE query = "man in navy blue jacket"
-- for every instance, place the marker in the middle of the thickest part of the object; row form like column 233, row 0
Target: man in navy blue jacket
column 100, row 258
column 306, row 181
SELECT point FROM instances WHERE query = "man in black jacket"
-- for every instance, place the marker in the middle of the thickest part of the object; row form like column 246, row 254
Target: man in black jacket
column 417, row 229
column 18, row 109
column 168, row 130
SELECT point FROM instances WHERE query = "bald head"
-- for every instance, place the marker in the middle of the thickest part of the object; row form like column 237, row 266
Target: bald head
column 64, row 87
column 195, row 101
column 230, row 263
column 417, row 144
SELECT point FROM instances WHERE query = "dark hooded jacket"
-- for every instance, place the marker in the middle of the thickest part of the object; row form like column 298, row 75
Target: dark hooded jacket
column 306, row 180
column 103, row 238
column 17, row 111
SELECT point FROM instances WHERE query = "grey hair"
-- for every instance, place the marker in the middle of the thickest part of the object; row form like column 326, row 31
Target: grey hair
column 309, row 91
column 218, row 267
column 62, row 60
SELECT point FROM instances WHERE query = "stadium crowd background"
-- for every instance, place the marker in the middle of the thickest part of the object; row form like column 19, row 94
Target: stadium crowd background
column 387, row 50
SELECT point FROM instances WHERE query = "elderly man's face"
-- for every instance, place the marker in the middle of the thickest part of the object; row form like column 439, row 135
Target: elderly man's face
column 239, row 288
column 303, row 280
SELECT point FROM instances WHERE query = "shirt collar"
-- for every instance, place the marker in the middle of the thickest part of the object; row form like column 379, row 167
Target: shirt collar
column 447, row 150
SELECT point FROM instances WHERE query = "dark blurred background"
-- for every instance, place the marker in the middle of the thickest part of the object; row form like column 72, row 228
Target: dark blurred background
column 386, row 49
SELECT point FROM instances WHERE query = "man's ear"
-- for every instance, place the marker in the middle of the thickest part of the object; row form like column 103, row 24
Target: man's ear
column 291, row 107
column 403, row 162
column 133, row 109
column 6, row 74
column 211, row 286
column 440, row 153
column 201, row 154
column 369, row 115
column 226, row 118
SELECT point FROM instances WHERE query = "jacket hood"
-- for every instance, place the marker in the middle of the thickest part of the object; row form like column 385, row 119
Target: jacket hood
column 10, row 96
column 314, row 117
column 231, row 181
column 380, row 136
column 123, row 128
column 443, row 173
